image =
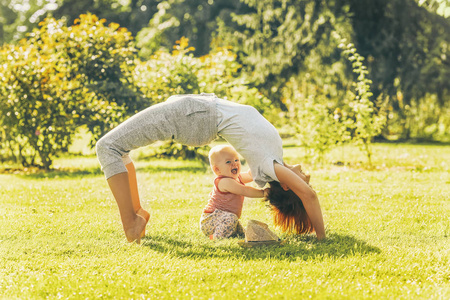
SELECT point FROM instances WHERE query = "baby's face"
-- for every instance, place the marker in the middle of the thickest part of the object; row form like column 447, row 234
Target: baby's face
column 228, row 164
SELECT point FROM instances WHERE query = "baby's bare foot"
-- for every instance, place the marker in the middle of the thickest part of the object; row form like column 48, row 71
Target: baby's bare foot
column 146, row 215
column 133, row 234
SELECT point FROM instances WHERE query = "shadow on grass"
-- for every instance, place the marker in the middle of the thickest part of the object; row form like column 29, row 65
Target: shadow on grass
column 36, row 173
column 29, row 173
column 158, row 168
column 304, row 248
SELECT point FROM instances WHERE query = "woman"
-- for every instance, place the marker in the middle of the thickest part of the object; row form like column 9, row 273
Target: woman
column 196, row 120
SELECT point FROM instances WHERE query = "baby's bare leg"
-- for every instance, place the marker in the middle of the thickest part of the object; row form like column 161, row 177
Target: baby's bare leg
column 135, row 194
column 133, row 224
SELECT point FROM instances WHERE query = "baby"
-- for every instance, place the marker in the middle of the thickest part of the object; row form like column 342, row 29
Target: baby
column 220, row 218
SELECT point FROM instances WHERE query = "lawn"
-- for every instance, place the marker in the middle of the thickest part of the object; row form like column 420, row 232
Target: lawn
column 388, row 233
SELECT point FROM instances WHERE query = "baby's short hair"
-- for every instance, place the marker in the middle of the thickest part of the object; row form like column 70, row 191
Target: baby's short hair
column 215, row 151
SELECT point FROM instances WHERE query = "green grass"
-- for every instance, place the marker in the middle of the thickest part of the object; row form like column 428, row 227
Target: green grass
column 388, row 234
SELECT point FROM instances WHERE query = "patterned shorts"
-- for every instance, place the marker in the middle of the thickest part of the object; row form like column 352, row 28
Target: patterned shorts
column 220, row 224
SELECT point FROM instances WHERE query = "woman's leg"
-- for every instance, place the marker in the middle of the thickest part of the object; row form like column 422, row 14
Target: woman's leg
column 159, row 122
column 140, row 130
column 135, row 194
column 133, row 224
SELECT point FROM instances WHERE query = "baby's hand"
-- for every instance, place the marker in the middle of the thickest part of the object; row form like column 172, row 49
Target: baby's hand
column 266, row 192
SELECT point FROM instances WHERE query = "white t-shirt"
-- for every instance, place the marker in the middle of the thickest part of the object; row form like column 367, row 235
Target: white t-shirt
column 253, row 137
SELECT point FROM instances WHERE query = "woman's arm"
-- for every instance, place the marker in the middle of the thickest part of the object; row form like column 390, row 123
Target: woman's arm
column 308, row 196
column 246, row 177
column 232, row 186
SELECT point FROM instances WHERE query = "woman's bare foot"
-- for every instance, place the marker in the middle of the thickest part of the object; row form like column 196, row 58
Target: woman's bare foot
column 133, row 234
column 146, row 215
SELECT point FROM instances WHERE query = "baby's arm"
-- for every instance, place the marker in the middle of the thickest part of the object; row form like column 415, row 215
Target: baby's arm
column 232, row 186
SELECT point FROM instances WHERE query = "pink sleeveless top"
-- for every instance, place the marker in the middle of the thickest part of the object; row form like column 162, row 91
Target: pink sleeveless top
column 224, row 201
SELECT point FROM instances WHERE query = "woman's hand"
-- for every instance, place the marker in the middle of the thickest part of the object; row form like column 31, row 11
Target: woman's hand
column 297, row 169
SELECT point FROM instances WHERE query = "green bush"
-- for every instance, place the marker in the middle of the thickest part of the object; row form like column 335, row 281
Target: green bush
column 427, row 120
column 36, row 113
column 179, row 72
column 317, row 123
column 367, row 118
column 220, row 73
column 103, row 60
column 60, row 78
column 166, row 74
column 322, row 123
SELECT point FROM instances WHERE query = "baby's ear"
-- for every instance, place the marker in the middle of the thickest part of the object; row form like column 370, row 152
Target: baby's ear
column 216, row 170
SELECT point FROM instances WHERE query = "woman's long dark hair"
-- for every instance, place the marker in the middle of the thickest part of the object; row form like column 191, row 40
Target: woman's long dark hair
column 288, row 211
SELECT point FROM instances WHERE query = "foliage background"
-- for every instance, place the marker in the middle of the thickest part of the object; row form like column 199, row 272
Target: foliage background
column 93, row 63
column 331, row 75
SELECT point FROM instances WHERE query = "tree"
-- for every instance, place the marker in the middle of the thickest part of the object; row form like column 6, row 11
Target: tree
column 18, row 17
column 406, row 47
column 195, row 19
column 276, row 37
column 132, row 14
column 407, row 50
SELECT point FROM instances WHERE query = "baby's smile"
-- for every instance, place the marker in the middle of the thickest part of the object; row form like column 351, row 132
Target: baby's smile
column 234, row 171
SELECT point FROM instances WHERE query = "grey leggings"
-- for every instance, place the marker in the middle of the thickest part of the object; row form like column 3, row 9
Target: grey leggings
column 187, row 119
